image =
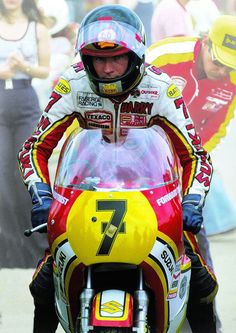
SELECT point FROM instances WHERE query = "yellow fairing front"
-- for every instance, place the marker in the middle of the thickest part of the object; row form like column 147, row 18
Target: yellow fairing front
column 111, row 227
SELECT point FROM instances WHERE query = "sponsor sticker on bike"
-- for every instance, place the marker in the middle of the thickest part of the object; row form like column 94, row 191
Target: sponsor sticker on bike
column 183, row 287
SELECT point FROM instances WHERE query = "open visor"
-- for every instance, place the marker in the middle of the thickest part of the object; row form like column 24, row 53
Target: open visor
column 105, row 35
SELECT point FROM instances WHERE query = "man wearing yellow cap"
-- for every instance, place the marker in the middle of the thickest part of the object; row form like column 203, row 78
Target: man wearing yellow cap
column 205, row 71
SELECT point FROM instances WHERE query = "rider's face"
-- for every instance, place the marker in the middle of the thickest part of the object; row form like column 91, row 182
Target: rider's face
column 110, row 67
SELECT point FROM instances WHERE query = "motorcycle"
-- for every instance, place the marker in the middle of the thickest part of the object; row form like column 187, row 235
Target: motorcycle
column 115, row 233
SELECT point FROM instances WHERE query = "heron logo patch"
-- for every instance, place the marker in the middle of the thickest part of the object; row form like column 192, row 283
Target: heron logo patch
column 62, row 87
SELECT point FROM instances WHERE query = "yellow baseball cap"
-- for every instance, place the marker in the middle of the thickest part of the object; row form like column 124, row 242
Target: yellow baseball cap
column 223, row 37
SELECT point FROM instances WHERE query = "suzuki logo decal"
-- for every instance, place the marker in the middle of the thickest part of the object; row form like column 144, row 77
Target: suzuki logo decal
column 112, row 307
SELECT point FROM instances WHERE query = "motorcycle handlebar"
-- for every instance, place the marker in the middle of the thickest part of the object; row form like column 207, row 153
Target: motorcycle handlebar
column 40, row 228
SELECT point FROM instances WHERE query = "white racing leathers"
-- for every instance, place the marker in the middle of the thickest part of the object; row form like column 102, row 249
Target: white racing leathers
column 155, row 101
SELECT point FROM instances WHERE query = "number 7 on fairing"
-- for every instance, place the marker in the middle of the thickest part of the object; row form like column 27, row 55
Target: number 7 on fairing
column 112, row 228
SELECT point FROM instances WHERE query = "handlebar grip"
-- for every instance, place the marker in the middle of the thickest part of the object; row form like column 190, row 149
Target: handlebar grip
column 41, row 227
column 28, row 232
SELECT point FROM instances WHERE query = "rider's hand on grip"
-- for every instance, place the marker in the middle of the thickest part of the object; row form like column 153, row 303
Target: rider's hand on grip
column 41, row 196
column 192, row 213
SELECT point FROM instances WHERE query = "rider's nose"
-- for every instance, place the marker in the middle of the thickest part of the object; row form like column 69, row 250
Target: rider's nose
column 108, row 67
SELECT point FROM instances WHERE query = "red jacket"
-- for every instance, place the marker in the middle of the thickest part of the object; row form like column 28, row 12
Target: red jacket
column 211, row 103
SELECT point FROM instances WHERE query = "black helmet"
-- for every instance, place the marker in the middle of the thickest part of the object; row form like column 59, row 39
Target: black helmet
column 108, row 31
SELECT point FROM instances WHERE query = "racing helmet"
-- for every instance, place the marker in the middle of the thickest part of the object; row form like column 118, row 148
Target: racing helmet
column 107, row 31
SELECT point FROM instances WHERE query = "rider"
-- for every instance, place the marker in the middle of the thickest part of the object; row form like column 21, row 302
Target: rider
column 113, row 89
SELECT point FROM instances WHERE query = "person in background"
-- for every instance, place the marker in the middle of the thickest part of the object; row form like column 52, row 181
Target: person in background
column 77, row 9
column 170, row 18
column 114, row 76
column 144, row 9
column 219, row 210
column 230, row 7
column 203, row 13
column 63, row 34
column 204, row 70
column 24, row 54
column 222, row 4
column 92, row 4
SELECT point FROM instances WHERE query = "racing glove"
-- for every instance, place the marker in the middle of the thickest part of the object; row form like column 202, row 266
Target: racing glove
column 41, row 196
column 192, row 213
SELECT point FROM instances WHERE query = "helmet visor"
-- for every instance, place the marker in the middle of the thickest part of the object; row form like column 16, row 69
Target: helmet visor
column 106, row 37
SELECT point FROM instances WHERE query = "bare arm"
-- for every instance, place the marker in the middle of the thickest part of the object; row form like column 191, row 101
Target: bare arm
column 40, row 70
column 44, row 51
column 6, row 70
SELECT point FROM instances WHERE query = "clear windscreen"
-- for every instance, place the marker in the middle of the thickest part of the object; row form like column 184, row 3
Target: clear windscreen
column 110, row 31
column 145, row 159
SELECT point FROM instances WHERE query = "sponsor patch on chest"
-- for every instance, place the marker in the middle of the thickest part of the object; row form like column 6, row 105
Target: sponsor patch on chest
column 149, row 93
column 131, row 120
column 99, row 119
column 89, row 100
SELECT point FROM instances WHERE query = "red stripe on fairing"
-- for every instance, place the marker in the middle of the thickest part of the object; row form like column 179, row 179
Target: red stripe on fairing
column 169, row 215
column 59, row 212
column 155, row 284
column 76, row 284
column 45, row 145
